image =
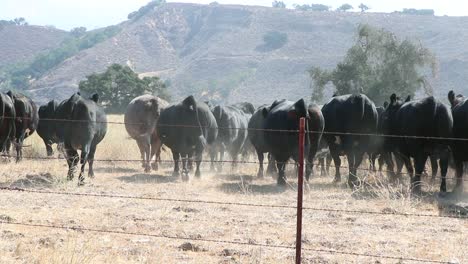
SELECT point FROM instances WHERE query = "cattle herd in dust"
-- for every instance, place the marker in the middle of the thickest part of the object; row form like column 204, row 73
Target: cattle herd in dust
column 402, row 133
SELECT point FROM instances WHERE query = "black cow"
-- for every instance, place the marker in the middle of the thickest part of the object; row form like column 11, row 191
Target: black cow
column 7, row 121
column 47, row 127
column 187, row 128
column 281, row 126
column 246, row 107
column 140, row 120
column 26, row 120
column 257, row 139
column 353, row 114
column 232, row 133
column 460, row 130
column 84, row 128
column 426, row 117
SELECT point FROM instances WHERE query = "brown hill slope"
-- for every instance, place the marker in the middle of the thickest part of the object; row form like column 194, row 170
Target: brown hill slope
column 218, row 51
column 20, row 43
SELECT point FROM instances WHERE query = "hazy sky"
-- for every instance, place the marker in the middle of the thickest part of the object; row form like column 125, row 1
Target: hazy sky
column 67, row 14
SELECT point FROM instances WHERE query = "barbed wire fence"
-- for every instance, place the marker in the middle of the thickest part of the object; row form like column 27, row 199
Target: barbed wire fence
column 460, row 217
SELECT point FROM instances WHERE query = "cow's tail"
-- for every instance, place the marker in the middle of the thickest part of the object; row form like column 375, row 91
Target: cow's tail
column 360, row 108
column 191, row 104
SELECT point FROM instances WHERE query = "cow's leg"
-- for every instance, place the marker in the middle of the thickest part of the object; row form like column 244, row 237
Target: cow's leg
column 459, row 175
column 213, row 155
column 419, row 164
column 83, row 160
column 271, row 167
column 190, row 161
column 443, row 162
column 372, row 158
column 198, row 160
column 185, row 170
column 142, row 147
column 48, row 145
column 358, row 157
column 156, row 146
column 281, row 165
column 92, row 151
column 176, row 157
column 260, row 156
column 434, row 166
column 72, row 160
column 337, row 161
column 388, row 159
column 328, row 161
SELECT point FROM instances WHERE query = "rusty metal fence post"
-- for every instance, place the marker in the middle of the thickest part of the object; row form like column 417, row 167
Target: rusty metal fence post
column 300, row 189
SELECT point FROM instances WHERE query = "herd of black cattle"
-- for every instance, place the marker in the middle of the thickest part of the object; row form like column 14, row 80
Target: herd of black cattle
column 401, row 132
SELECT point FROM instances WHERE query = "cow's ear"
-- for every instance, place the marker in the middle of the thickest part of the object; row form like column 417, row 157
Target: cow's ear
column 335, row 94
column 10, row 94
column 451, row 97
column 265, row 112
column 393, row 99
column 78, row 93
column 385, row 104
column 95, row 97
column 408, row 98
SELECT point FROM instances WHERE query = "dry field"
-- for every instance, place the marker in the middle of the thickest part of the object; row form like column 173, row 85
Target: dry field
column 444, row 239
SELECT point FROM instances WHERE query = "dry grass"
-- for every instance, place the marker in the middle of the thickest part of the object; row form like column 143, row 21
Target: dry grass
column 431, row 238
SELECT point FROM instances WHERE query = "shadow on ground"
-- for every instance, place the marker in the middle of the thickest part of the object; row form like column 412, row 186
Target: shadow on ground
column 246, row 188
column 44, row 180
column 148, row 178
column 112, row 169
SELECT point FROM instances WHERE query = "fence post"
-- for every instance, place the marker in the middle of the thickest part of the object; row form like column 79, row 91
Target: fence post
column 300, row 185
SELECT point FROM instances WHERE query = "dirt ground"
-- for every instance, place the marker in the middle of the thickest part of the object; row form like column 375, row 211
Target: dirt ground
column 443, row 239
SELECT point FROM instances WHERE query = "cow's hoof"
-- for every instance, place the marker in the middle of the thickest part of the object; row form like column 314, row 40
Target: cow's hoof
column 185, row 177
column 336, row 180
column 197, row 174
column 281, row 181
column 147, row 169
column 260, row 174
column 175, row 174
column 155, row 166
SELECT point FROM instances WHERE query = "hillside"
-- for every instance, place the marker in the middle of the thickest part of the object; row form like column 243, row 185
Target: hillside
column 22, row 43
column 218, row 51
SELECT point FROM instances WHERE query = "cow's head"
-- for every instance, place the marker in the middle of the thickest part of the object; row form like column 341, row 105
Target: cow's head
column 455, row 100
column 389, row 115
column 94, row 97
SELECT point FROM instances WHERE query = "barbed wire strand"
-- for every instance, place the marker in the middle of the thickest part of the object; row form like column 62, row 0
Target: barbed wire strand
column 260, row 129
column 216, row 241
column 17, row 189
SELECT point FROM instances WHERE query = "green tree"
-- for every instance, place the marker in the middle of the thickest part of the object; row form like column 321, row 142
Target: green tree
column 119, row 84
column 363, row 7
column 20, row 21
column 378, row 64
column 344, row 7
column 278, row 4
column 78, row 32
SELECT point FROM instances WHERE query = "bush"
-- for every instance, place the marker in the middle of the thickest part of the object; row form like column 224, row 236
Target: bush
column 273, row 40
column 135, row 15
